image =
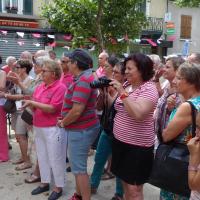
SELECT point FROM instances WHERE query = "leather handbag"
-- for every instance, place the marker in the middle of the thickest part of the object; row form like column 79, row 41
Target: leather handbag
column 27, row 117
column 170, row 167
column 9, row 106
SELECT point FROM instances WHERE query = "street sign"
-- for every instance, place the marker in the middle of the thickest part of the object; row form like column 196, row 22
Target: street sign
column 168, row 17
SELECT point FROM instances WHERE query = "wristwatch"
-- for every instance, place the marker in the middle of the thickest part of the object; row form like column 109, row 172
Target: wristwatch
column 61, row 125
column 124, row 95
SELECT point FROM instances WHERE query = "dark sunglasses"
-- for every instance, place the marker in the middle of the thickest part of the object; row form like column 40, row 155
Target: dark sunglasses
column 64, row 61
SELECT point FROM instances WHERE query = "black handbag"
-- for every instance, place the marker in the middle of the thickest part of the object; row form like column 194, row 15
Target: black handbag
column 27, row 117
column 170, row 167
column 9, row 106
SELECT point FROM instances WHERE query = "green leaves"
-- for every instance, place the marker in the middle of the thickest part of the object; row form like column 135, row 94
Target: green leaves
column 188, row 3
column 103, row 19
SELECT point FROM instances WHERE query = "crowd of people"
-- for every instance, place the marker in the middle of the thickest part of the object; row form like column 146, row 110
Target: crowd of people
column 123, row 109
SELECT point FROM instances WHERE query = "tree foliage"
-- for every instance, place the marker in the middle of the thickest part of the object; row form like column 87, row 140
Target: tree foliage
column 103, row 19
column 188, row 3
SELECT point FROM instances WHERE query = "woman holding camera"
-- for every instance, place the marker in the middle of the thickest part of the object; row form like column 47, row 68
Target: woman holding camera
column 104, row 150
column 133, row 144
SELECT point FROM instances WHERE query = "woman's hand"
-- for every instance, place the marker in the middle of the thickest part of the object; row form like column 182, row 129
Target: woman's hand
column 2, row 94
column 14, row 78
column 171, row 102
column 26, row 103
column 194, row 146
column 118, row 86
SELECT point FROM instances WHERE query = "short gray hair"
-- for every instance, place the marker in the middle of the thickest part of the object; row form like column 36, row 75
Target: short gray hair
column 191, row 73
column 9, row 59
column 53, row 66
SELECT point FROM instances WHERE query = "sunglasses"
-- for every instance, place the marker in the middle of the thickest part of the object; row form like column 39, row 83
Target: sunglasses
column 46, row 71
column 64, row 61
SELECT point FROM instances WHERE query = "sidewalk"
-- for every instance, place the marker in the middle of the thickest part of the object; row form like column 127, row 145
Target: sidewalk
column 12, row 186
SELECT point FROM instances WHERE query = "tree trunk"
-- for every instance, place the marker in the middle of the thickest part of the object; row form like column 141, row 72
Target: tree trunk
column 99, row 32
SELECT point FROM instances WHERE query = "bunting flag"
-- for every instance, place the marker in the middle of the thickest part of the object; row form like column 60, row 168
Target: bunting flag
column 51, row 36
column 52, row 44
column 36, row 44
column 66, row 47
column 126, row 37
column 113, row 41
column 4, row 32
column 21, row 34
column 36, row 35
column 92, row 49
column 151, row 42
column 93, row 39
column 6, row 41
column 120, row 39
column 67, row 37
column 21, row 43
column 137, row 40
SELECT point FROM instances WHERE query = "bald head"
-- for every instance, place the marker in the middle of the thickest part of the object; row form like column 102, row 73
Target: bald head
column 26, row 55
column 103, row 57
column 41, row 53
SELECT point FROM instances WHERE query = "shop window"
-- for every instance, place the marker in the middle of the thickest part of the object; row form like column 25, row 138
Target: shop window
column 186, row 26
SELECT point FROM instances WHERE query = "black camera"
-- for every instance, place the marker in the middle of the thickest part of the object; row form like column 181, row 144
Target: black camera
column 100, row 83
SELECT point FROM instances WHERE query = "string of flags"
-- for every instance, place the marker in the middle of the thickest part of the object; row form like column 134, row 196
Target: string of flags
column 66, row 38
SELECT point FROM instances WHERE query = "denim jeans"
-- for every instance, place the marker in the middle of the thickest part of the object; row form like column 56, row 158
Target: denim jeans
column 104, row 150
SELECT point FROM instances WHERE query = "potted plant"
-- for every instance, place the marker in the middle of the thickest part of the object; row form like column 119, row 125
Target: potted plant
column 11, row 9
column 14, row 9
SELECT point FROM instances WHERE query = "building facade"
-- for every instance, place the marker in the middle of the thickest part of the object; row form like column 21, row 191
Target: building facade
column 21, row 27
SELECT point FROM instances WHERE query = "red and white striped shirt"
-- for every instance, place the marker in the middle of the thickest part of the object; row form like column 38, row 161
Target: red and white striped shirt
column 130, row 130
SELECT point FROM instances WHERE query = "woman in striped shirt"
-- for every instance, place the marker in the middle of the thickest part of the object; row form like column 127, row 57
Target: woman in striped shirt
column 133, row 126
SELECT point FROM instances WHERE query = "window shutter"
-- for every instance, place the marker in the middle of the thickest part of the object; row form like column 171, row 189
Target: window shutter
column 28, row 7
column 0, row 6
column 186, row 26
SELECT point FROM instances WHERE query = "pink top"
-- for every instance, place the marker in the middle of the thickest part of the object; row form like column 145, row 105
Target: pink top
column 66, row 79
column 130, row 130
column 6, row 69
column 51, row 95
column 100, row 72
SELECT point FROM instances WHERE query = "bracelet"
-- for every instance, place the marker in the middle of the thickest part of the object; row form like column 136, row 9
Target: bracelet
column 193, row 168
column 156, row 80
column 124, row 95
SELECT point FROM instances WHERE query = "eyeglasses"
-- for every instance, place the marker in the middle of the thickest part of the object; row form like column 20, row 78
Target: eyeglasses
column 46, row 71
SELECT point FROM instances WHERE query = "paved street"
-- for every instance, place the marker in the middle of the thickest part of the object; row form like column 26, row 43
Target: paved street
column 12, row 186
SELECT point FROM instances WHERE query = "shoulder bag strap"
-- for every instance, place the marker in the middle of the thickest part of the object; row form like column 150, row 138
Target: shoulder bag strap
column 193, row 112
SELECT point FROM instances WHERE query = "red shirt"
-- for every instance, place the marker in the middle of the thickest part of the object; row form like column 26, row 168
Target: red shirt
column 67, row 79
column 52, row 95
column 6, row 69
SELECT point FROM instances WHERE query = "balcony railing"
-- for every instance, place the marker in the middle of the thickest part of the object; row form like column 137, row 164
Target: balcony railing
column 154, row 24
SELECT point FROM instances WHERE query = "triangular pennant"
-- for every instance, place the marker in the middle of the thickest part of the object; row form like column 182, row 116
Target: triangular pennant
column 66, row 47
column 6, row 41
column 52, row 44
column 4, row 32
column 120, row 39
column 92, row 49
column 36, row 35
column 36, row 44
column 21, row 34
column 21, row 43
column 93, row 39
column 126, row 37
column 51, row 36
column 113, row 40
column 67, row 37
